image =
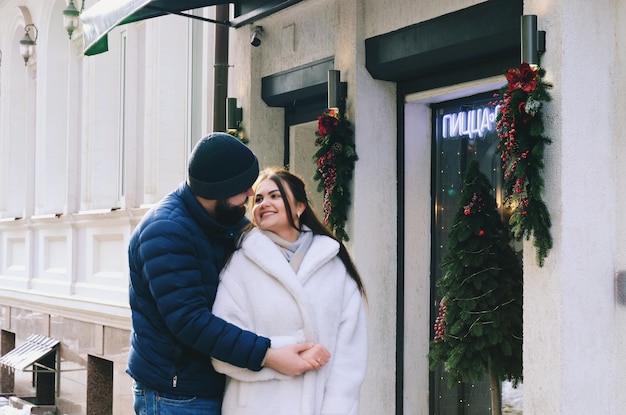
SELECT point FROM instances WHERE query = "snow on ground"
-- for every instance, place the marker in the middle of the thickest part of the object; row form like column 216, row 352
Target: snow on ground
column 512, row 399
column 7, row 410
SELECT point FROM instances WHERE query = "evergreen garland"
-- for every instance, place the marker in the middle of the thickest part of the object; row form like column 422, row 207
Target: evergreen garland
column 522, row 143
column 479, row 326
column 335, row 160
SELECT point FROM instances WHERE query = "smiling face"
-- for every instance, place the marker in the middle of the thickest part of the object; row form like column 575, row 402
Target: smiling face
column 270, row 212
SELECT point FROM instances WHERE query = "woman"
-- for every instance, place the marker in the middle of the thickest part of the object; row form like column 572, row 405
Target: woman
column 292, row 281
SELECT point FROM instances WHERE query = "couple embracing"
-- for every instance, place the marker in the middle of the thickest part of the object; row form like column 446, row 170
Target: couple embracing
column 232, row 316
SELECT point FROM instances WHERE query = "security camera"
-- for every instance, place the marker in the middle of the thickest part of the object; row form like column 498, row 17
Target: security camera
column 256, row 36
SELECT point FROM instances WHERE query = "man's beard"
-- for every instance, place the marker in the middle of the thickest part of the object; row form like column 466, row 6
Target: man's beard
column 228, row 214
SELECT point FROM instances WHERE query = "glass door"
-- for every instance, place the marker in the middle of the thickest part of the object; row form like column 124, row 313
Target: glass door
column 463, row 130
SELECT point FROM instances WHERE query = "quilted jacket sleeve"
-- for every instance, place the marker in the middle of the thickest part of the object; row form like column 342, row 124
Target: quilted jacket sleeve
column 179, row 285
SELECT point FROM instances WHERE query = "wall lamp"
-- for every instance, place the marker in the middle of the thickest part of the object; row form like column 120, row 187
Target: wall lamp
column 70, row 17
column 27, row 44
column 533, row 41
column 335, row 90
column 234, row 114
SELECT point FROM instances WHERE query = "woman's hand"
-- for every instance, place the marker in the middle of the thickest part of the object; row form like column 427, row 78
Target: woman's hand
column 295, row 359
column 317, row 355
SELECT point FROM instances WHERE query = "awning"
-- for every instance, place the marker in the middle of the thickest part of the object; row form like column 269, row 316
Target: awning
column 28, row 353
column 105, row 15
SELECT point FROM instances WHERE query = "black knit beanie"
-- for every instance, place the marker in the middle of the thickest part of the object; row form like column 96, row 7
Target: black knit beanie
column 221, row 166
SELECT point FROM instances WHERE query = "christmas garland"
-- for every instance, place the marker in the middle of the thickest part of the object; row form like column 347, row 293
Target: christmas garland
column 522, row 143
column 335, row 160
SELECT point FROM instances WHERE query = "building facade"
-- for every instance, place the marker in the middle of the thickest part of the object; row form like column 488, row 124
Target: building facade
column 89, row 143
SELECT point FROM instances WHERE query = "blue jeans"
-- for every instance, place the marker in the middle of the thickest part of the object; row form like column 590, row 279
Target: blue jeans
column 151, row 402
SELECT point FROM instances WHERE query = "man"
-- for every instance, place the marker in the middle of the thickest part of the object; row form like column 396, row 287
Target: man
column 175, row 257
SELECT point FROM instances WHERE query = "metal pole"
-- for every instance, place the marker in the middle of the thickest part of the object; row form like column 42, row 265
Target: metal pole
column 220, row 87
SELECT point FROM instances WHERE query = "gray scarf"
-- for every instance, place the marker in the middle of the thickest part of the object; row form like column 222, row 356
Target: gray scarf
column 294, row 252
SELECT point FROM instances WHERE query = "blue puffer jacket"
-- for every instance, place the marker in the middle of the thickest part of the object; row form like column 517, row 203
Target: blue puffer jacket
column 175, row 256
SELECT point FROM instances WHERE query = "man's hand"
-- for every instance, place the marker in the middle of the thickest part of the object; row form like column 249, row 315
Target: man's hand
column 289, row 361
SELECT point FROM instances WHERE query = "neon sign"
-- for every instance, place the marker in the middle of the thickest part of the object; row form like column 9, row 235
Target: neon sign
column 472, row 123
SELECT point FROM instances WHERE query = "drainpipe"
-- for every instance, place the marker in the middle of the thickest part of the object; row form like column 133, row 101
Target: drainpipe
column 220, row 86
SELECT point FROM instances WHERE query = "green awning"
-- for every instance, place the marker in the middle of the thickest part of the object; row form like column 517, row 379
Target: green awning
column 105, row 15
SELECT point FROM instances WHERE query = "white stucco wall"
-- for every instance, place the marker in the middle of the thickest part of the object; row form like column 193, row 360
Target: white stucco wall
column 291, row 37
column 571, row 322
column 417, row 237
column 619, row 171
column 383, row 16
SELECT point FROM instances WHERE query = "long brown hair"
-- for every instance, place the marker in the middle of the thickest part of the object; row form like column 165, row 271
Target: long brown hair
column 309, row 217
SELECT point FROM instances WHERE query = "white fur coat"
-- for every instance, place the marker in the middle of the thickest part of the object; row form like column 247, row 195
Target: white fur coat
column 260, row 292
